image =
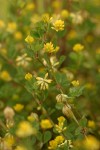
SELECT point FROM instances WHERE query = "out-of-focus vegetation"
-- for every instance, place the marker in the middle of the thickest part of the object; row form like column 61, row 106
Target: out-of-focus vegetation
column 49, row 74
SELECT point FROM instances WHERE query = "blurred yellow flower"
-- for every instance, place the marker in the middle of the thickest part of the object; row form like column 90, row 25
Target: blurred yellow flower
column 2, row 24
column 25, row 129
column 9, row 140
column 78, row 47
column 12, row 26
column 58, row 25
column 29, row 39
column 75, row 83
column 64, row 13
column 53, row 144
column 49, row 48
column 46, row 18
column 91, row 143
column 28, row 76
column 72, row 34
column 30, row 6
column 18, row 35
column 18, row 107
column 4, row 75
column 46, row 124
column 91, row 124
column 32, row 117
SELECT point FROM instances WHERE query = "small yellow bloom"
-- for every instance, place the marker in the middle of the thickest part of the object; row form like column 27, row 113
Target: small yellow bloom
column 18, row 107
column 46, row 18
column 9, row 140
column 58, row 25
column 53, row 144
column 18, row 35
column 78, row 47
column 46, row 124
column 32, row 117
column 12, row 26
column 49, row 48
column 91, row 143
column 72, row 34
column 61, row 119
column 28, row 76
column 25, row 129
column 4, row 75
column 64, row 14
column 29, row 39
column 60, row 126
column 2, row 24
column 75, row 83
column 91, row 124
column 30, row 6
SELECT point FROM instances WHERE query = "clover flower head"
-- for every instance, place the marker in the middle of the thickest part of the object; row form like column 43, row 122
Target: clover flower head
column 29, row 39
column 43, row 82
column 46, row 124
column 78, row 47
column 28, row 76
column 49, row 47
column 58, row 25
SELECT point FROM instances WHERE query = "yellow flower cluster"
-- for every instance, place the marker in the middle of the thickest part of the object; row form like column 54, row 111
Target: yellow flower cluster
column 91, row 143
column 4, row 75
column 12, row 26
column 46, row 18
column 58, row 25
column 25, row 129
column 28, row 76
column 60, row 126
column 49, row 48
column 18, row 107
column 75, row 83
column 53, row 144
column 18, row 35
column 78, row 47
column 20, row 148
column 91, row 124
column 29, row 39
column 64, row 13
column 46, row 124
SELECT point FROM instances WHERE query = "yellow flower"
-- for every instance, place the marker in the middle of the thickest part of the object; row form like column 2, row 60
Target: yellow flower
column 72, row 34
column 25, row 129
column 49, row 48
column 45, row 124
column 28, row 76
column 4, row 75
column 78, row 47
column 91, row 143
column 32, row 117
column 29, row 39
column 30, row 6
column 18, row 35
column 18, row 107
column 53, row 144
column 60, row 126
column 91, row 124
column 9, row 140
column 58, row 25
column 11, row 27
column 64, row 13
column 46, row 18
column 43, row 82
column 75, row 83
column 20, row 148
column 2, row 24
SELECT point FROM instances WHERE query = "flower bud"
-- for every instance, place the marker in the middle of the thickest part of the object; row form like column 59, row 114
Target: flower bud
column 67, row 110
column 61, row 98
column 9, row 113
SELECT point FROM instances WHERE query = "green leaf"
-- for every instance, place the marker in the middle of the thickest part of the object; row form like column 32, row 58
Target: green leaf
column 39, row 136
column 62, row 59
column 76, row 91
column 59, row 106
column 47, row 136
column 83, row 122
